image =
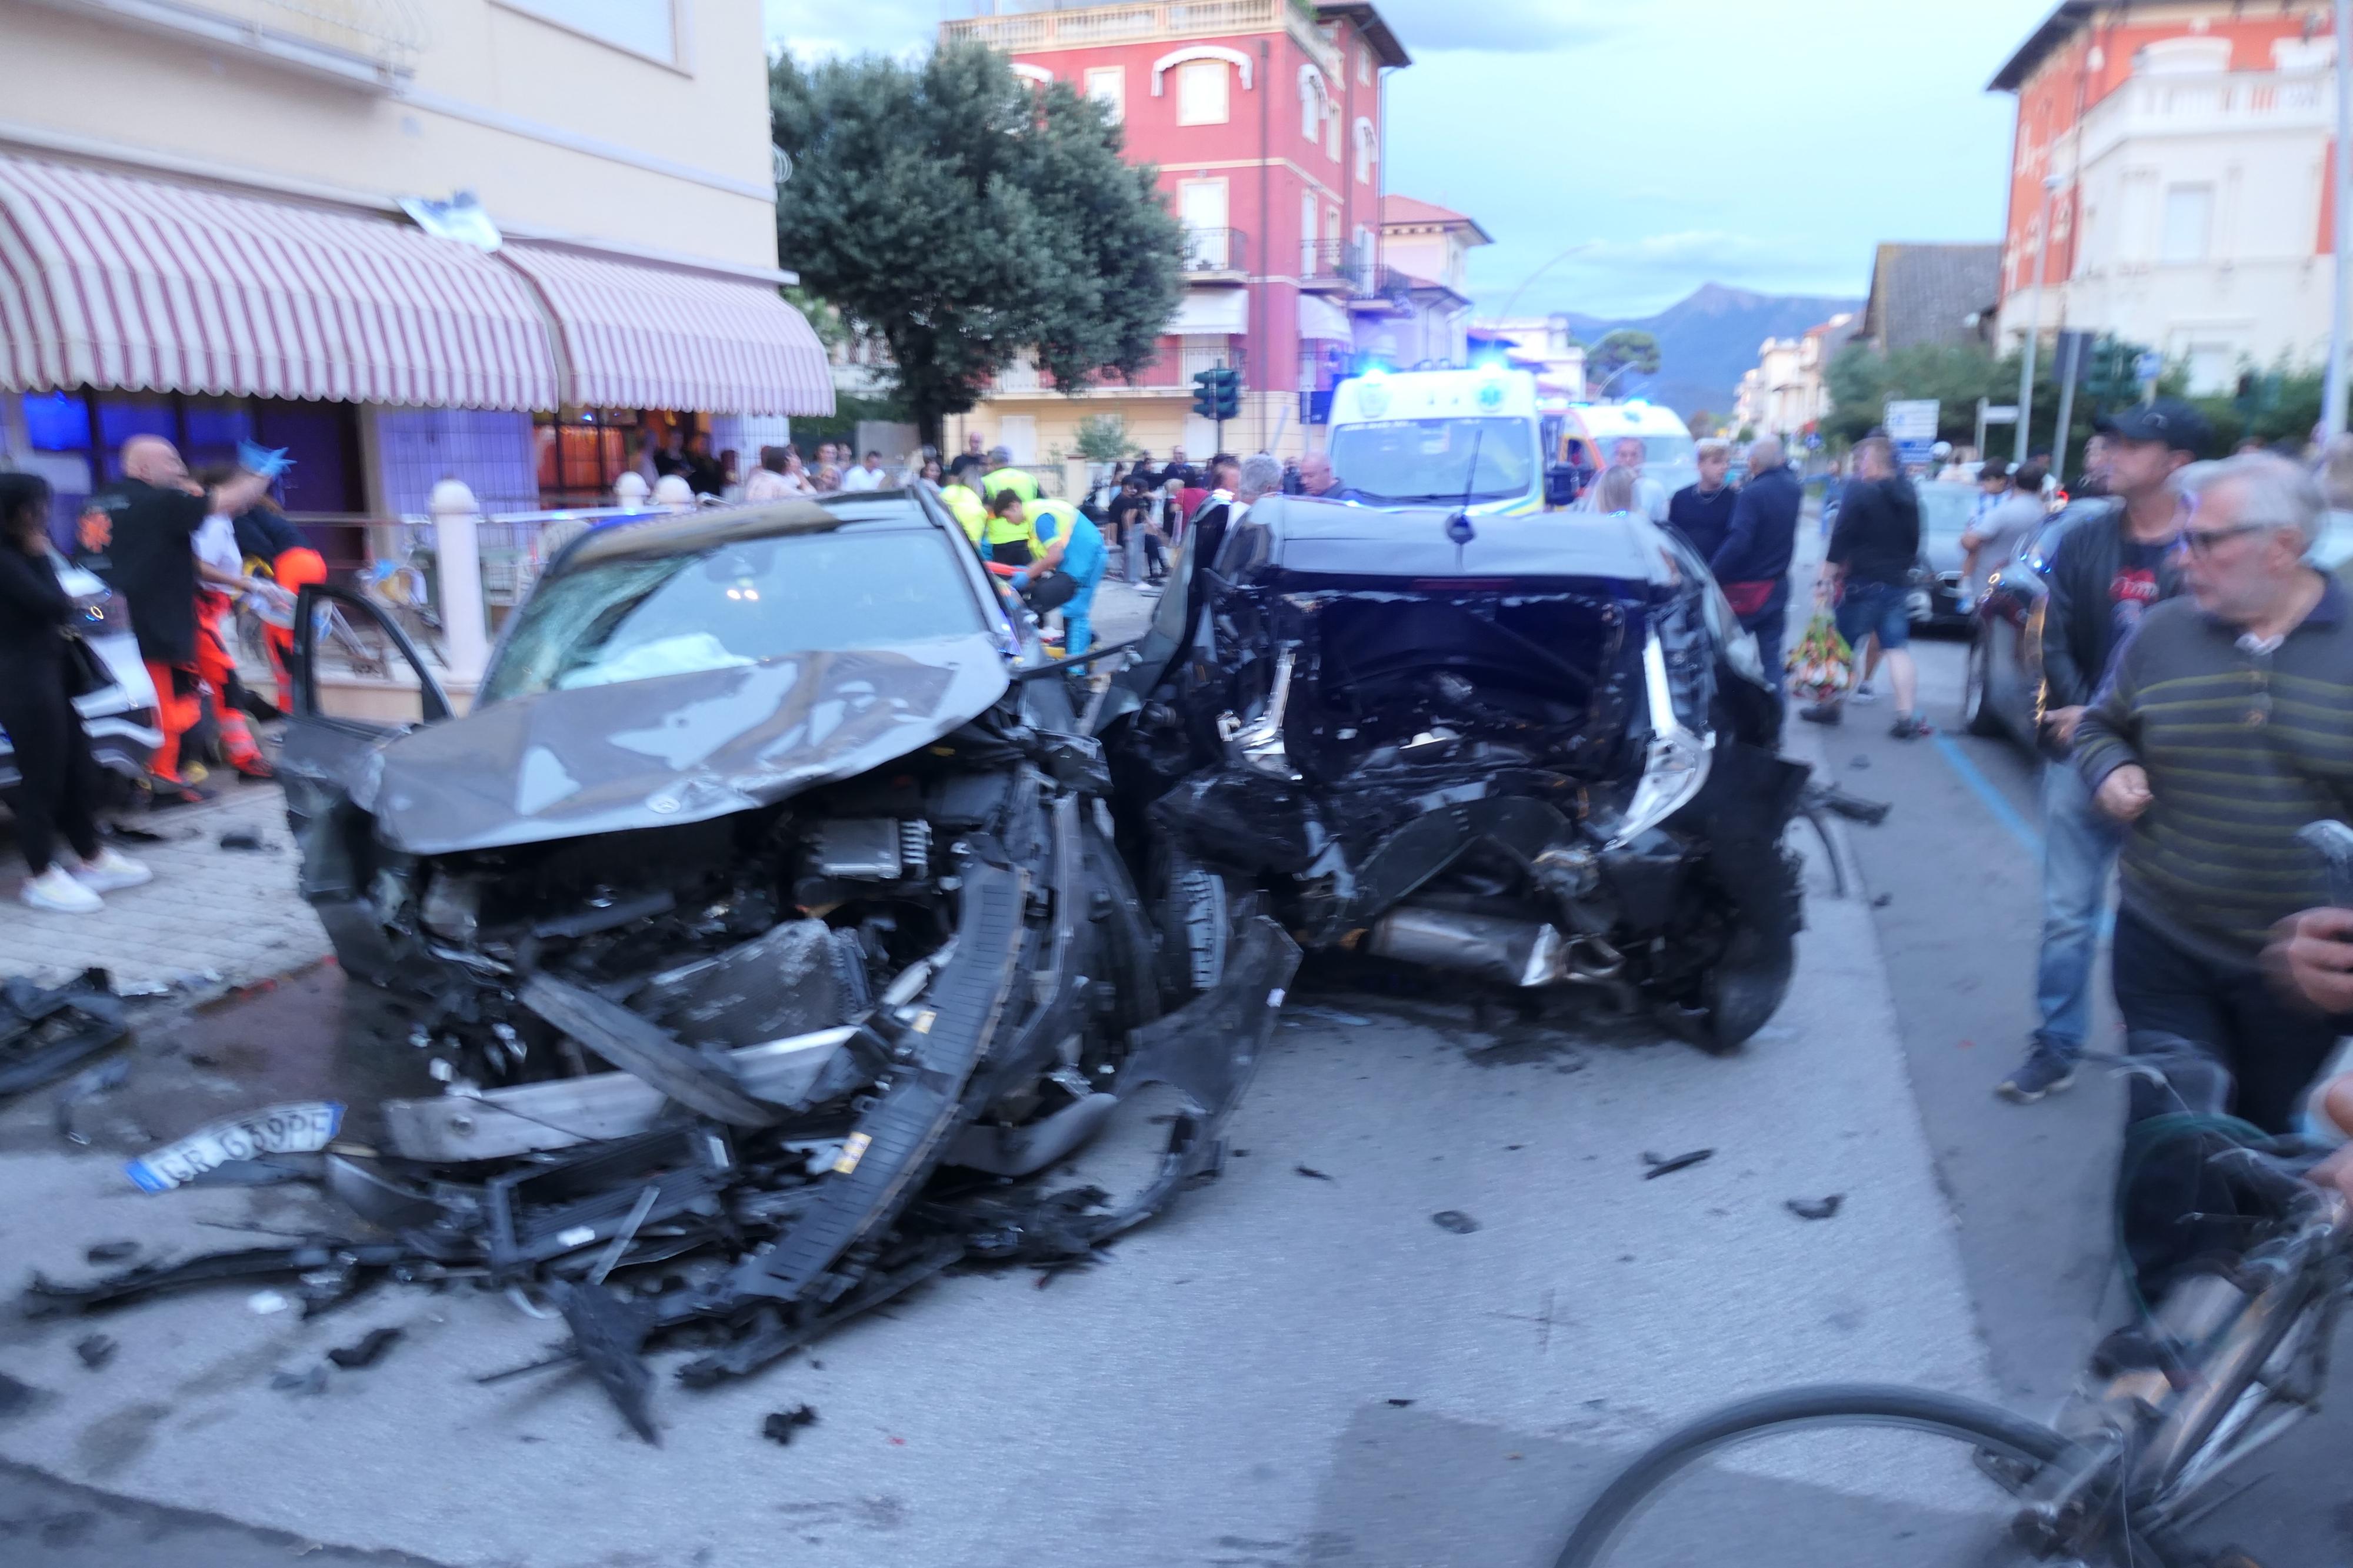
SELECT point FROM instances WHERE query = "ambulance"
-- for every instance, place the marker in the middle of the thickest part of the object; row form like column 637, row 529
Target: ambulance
column 1465, row 438
column 1670, row 454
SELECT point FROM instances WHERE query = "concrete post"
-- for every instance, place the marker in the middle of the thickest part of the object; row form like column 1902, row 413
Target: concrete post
column 631, row 488
column 457, row 553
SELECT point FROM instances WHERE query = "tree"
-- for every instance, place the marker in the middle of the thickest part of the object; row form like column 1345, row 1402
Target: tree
column 964, row 217
column 1634, row 352
column 1105, row 438
column 1704, row 422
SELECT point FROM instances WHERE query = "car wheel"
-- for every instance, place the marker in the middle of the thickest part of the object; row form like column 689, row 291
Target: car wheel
column 1978, row 716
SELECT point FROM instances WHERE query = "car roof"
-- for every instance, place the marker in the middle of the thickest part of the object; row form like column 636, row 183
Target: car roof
column 688, row 533
column 1312, row 537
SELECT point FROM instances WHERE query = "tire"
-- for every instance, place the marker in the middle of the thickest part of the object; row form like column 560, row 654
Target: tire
column 1943, row 1415
column 1977, row 715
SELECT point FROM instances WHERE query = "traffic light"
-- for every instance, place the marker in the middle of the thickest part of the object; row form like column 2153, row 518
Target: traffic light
column 1218, row 394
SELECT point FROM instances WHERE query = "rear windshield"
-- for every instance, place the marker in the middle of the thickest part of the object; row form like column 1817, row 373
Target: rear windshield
column 1402, row 462
column 636, row 618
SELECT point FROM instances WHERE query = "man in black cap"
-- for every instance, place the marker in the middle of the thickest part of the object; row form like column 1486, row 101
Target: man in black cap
column 2105, row 573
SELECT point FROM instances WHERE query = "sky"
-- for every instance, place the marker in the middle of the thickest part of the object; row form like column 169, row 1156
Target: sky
column 1767, row 144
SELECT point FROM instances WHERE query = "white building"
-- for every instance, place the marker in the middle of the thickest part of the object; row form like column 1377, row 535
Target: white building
column 1787, row 392
column 2169, row 182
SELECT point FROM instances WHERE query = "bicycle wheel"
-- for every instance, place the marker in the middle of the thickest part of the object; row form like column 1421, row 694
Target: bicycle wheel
column 1608, row 1521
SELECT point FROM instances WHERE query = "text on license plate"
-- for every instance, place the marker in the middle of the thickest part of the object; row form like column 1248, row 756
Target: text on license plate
column 278, row 1130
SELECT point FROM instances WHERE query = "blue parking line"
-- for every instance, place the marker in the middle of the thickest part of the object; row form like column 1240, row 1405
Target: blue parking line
column 1995, row 801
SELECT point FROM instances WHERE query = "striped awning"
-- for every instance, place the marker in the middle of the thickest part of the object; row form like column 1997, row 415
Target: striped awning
column 115, row 282
column 638, row 336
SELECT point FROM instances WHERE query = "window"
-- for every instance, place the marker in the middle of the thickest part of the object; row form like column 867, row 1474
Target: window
column 1201, row 89
column 648, row 27
column 582, row 453
column 1312, row 103
column 1307, row 235
column 77, row 439
column 1365, row 68
column 1201, row 206
column 1107, row 85
column 729, row 604
column 2188, row 223
column 2214, row 368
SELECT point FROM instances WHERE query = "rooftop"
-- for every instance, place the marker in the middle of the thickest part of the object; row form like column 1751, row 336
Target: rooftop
column 1044, row 25
column 1406, row 211
column 2055, row 30
column 1926, row 293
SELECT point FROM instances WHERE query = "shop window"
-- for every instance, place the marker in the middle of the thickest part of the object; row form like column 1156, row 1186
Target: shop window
column 56, row 421
column 582, row 454
column 321, row 437
column 2188, row 223
column 1201, row 93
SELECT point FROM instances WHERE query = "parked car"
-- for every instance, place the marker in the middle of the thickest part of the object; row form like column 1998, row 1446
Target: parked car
column 1488, row 746
column 119, row 715
column 1934, row 601
column 2001, row 693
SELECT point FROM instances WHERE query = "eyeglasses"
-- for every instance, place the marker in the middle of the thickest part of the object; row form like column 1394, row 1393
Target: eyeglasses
column 2202, row 540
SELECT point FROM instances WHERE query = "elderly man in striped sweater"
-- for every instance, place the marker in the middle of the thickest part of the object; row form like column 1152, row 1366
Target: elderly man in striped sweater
column 2225, row 726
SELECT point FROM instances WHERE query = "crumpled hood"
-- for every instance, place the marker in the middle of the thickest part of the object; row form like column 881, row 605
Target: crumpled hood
column 675, row 748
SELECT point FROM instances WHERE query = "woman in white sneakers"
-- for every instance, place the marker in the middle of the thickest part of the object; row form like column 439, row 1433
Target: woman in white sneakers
column 60, row 777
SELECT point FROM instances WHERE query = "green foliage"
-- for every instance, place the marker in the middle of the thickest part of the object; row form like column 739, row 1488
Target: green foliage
column 1626, row 349
column 965, row 217
column 1704, row 422
column 842, row 427
column 1105, row 438
column 1861, row 382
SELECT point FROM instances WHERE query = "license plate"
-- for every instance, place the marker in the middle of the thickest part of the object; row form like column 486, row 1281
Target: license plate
column 279, row 1130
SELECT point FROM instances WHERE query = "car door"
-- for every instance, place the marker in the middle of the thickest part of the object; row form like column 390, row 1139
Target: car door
column 359, row 684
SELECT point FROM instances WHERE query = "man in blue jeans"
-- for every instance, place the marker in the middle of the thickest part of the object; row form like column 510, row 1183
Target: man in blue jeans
column 1872, row 553
column 2105, row 573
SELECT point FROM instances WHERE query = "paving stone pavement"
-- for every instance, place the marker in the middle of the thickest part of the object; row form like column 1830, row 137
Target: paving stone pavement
column 212, row 918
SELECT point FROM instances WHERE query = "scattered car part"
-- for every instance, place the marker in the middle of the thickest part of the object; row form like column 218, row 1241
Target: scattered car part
column 1668, row 1167
column 45, row 1033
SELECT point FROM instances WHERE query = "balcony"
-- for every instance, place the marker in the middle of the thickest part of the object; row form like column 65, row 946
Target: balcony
column 1335, row 265
column 372, row 43
column 1142, row 22
column 1216, row 255
column 2202, row 107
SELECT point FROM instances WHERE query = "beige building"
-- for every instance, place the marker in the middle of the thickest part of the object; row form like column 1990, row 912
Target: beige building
column 501, row 240
column 1786, row 394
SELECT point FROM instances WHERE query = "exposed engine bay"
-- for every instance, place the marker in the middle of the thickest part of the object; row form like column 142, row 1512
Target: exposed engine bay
column 1539, row 753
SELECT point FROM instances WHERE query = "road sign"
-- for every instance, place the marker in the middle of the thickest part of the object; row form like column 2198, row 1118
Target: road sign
column 2150, row 366
column 1999, row 412
column 1912, row 425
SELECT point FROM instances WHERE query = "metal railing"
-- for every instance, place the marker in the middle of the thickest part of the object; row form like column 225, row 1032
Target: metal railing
column 1342, row 261
column 1216, row 250
column 1033, row 32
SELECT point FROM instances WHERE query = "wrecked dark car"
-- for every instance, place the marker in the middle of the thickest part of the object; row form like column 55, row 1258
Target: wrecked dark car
column 764, row 913
column 1537, row 749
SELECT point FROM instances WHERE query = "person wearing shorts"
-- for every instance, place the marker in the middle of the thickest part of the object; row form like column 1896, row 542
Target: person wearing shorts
column 1872, row 553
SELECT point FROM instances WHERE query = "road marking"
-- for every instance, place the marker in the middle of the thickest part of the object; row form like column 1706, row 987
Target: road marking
column 1982, row 787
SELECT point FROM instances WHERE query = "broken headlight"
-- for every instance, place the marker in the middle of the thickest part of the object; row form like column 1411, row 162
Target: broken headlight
column 1675, row 765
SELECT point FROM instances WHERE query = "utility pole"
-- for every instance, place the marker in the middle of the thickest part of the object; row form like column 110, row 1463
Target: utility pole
column 2333, row 396
column 2034, row 318
column 2071, row 365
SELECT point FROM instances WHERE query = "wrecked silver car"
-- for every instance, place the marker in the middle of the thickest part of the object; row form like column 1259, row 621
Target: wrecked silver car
column 764, row 911
column 1537, row 749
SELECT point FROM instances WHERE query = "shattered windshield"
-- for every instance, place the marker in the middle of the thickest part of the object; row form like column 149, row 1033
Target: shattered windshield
column 1407, row 461
column 738, row 603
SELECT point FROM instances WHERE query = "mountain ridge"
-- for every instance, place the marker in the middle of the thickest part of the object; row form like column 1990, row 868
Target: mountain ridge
column 1708, row 340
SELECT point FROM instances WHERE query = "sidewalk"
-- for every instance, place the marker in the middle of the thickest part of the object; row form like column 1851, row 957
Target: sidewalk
column 212, row 918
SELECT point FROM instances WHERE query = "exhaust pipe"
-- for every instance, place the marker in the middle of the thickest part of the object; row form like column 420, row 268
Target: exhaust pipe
column 1513, row 952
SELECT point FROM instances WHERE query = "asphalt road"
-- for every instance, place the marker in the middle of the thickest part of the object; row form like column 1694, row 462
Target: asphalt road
column 1287, row 1369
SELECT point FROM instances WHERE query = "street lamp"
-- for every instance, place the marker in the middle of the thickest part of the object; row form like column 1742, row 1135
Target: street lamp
column 1572, row 250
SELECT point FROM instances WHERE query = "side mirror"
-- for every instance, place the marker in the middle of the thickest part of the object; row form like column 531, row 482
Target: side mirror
column 1560, row 485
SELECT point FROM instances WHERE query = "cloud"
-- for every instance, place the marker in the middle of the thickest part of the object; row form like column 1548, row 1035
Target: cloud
column 821, row 29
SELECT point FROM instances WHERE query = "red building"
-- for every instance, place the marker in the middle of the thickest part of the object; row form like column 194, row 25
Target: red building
column 2171, row 179
column 1264, row 119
